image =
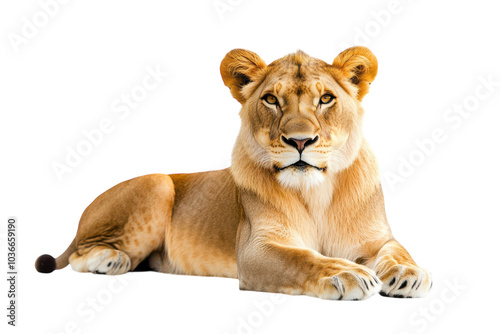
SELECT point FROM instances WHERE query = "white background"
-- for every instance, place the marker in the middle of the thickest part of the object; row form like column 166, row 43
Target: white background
column 65, row 78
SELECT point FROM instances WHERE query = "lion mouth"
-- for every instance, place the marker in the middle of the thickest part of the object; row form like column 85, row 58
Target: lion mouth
column 300, row 165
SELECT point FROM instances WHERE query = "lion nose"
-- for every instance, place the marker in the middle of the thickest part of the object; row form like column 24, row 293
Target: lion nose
column 300, row 144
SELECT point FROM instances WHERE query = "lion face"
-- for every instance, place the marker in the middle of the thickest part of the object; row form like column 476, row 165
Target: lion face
column 301, row 117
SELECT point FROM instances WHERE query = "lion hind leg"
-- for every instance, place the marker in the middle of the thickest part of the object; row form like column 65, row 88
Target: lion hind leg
column 124, row 225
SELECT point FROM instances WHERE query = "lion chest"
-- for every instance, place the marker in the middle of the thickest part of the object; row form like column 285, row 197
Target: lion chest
column 333, row 238
column 326, row 232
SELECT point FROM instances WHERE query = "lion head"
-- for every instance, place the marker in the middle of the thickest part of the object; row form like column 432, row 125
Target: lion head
column 301, row 117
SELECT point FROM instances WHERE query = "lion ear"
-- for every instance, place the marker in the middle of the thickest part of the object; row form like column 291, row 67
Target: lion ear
column 238, row 68
column 359, row 65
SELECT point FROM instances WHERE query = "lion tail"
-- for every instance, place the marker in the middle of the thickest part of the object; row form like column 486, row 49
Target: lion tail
column 47, row 264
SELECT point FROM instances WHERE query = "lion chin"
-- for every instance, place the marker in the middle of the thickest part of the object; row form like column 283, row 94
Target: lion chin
column 301, row 178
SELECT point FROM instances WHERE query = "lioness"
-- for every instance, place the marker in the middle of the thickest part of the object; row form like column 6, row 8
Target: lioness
column 300, row 210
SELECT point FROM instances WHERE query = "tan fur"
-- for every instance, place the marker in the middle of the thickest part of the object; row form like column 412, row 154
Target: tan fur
column 317, row 230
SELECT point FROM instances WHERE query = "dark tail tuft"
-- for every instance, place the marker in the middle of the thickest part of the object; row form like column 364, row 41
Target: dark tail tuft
column 45, row 264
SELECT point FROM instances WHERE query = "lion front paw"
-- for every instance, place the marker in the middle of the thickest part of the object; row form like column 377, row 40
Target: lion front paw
column 405, row 281
column 355, row 284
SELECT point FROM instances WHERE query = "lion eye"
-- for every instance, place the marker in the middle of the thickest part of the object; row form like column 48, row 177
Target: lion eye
column 271, row 99
column 325, row 99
